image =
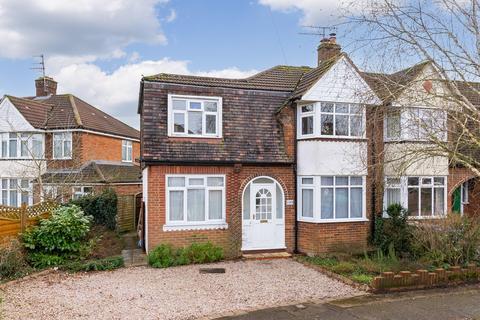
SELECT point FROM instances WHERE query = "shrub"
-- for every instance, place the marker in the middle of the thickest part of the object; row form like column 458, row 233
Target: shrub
column 12, row 260
column 454, row 240
column 393, row 231
column 102, row 207
column 110, row 263
column 165, row 255
column 60, row 237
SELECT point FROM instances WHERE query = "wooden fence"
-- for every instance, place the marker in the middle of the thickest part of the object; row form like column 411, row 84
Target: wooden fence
column 15, row 220
column 125, row 213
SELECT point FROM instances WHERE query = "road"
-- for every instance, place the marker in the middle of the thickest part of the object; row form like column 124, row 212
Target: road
column 438, row 304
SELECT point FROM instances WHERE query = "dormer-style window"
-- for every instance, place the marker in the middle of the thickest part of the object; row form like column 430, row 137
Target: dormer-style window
column 194, row 116
column 329, row 119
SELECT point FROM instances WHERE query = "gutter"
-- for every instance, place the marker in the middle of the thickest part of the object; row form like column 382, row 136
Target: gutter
column 214, row 163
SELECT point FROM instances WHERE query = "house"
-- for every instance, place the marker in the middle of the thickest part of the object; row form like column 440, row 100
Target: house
column 59, row 146
column 292, row 158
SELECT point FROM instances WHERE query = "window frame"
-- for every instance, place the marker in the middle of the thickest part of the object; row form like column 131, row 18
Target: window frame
column 21, row 139
column 317, row 125
column 67, row 136
column 195, row 99
column 404, row 186
column 128, row 146
column 185, row 224
column 317, row 202
column 82, row 192
column 413, row 131
column 18, row 189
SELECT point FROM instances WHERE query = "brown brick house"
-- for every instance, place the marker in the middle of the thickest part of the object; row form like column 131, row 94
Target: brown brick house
column 292, row 158
column 52, row 143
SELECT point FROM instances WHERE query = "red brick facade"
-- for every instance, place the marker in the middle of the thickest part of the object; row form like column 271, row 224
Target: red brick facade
column 237, row 178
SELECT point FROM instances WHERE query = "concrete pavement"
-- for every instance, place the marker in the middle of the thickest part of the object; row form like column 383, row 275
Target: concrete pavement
column 438, row 304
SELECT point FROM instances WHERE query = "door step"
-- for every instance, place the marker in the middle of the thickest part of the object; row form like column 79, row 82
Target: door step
column 266, row 255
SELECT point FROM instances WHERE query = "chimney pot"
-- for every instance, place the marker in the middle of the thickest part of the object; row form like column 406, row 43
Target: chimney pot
column 45, row 86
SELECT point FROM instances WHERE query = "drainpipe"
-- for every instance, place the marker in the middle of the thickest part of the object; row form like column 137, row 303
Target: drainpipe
column 295, row 250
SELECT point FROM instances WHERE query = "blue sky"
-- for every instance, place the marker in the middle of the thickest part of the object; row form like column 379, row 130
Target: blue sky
column 98, row 49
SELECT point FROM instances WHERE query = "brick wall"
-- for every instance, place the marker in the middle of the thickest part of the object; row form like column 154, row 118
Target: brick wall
column 237, row 177
column 89, row 146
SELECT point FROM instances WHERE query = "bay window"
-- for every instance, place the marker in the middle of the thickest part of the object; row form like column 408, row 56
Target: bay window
column 15, row 192
column 423, row 197
column 21, row 145
column 195, row 200
column 195, row 116
column 126, row 151
column 415, row 123
column 62, row 145
column 329, row 119
column 331, row 198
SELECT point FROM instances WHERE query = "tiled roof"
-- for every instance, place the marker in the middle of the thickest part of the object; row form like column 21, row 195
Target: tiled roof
column 279, row 78
column 66, row 111
column 96, row 172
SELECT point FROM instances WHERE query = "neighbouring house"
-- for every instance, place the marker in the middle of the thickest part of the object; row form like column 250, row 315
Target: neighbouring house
column 292, row 158
column 57, row 146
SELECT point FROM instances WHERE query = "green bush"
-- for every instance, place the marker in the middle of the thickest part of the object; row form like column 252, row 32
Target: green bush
column 393, row 231
column 12, row 260
column 454, row 240
column 102, row 207
column 110, row 263
column 165, row 255
column 58, row 238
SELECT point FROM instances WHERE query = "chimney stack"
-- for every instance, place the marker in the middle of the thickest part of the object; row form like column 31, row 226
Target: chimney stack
column 45, row 86
column 328, row 49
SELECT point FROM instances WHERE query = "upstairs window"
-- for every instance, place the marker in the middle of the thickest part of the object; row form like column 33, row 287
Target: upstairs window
column 21, row 145
column 126, row 151
column 195, row 116
column 415, row 124
column 62, row 145
column 328, row 119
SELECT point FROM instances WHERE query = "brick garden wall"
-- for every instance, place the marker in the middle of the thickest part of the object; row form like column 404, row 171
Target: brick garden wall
column 237, row 178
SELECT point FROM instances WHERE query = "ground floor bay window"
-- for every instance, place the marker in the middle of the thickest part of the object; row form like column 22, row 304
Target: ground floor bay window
column 195, row 202
column 423, row 197
column 15, row 192
column 331, row 198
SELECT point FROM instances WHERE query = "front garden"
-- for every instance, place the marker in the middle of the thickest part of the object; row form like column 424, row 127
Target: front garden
column 79, row 236
column 410, row 254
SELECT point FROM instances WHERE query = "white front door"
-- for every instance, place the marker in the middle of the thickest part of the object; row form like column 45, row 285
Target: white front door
column 263, row 224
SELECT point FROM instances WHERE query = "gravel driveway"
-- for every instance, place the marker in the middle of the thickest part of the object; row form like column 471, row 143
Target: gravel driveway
column 174, row 293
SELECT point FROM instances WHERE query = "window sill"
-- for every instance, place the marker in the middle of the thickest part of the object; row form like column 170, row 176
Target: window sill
column 333, row 220
column 333, row 138
column 195, row 227
column 427, row 218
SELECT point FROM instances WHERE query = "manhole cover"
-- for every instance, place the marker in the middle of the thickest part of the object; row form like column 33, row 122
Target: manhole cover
column 212, row 270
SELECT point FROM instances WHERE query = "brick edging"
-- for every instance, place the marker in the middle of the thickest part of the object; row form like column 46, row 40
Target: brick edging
column 336, row 276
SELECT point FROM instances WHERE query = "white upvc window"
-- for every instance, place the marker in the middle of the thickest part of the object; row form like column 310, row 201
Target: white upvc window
column 195, row 201
column 423, row 196
column 21, row 145
column 194, row 116
column 127, row 151
column 331, row 119
column 15, row 192
column 81, row 191
column 62, row 145
column 415, row 123
column 331, row 198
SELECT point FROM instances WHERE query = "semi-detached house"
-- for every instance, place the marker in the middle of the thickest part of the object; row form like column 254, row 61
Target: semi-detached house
column 291, row 158
column 57, row 146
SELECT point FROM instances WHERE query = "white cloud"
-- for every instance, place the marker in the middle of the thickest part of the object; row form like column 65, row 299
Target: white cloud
column 94, row 28
column 172, row 16
column 314, row 12
column 117, row 93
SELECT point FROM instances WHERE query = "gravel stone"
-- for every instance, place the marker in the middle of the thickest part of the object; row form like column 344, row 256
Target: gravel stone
column 173, row 293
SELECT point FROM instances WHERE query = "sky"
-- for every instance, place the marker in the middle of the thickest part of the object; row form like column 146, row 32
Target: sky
column 99, row 49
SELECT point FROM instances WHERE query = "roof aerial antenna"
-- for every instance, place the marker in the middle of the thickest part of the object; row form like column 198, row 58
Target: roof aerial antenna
column 320, row 31
column 39, row 66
